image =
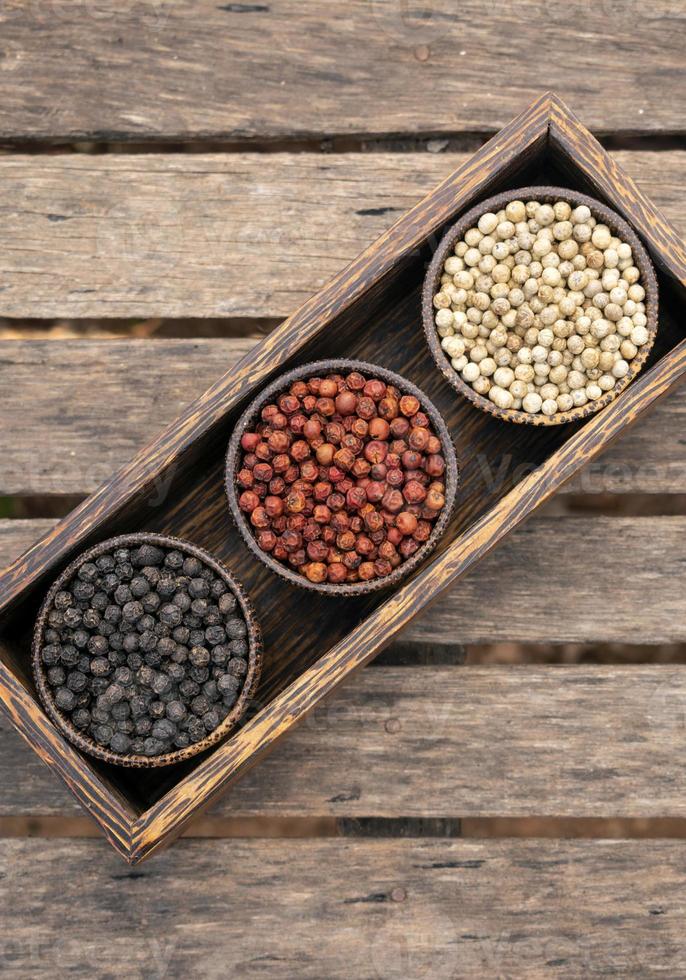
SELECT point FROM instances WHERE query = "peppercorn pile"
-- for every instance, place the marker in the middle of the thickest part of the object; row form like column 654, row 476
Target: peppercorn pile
column 541, row 307
column 145, row 650
column 342, row 478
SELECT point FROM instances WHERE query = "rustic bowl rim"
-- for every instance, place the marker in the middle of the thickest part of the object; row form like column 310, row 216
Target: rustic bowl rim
column 343, row 366
column 546, row 194
column 90, row 746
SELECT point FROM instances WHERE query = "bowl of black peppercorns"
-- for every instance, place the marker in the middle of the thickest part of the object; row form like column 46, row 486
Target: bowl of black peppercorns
column 146, row 651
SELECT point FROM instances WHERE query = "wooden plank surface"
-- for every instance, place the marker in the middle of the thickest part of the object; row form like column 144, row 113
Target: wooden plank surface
column 74, row 411
column 537, row 587
column 386, row 910
column 556, row 580
column 284, row 69
column 216, row 235
column 451, row 741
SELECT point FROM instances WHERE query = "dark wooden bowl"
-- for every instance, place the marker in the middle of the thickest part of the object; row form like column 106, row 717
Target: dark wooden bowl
column 249, row 418
column 547, row 195
column 252, row 677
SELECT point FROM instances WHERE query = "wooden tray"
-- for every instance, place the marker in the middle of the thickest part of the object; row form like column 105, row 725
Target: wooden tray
column 370, row 311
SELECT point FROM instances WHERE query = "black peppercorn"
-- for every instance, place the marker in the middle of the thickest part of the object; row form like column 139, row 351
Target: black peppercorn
column 140, row 649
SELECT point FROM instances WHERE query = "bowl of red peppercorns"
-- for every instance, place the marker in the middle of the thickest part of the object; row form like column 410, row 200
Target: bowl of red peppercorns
column 341, row 477
column 146, row 651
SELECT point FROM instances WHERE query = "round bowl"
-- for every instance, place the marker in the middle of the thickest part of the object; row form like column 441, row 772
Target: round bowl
column 277, row 387
column 89, row 745
column 547, row 195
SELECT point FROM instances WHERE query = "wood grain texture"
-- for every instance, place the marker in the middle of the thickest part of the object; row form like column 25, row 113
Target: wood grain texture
column 74, row 411
column 452, row 741
column 180, row 70
column 386, row 910
column 389, row 268
column 544, row 566
column 216, row 235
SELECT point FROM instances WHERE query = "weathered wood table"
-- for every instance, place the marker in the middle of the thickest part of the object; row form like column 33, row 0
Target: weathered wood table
column 387, row 787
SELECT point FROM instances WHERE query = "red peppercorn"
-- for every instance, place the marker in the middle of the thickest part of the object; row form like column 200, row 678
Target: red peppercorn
column 366, row 409
column 337, row 573
column 300, row 450
column 395, row 478
column 279, row 442
column 344, row 458
column 346, row 541
column 375, row 389
column 309, row 471
column 435, row 465
column 379, row 429
column 360, row 468
column 262, row 451
column 248, row 501
column 399, row 427
column 296, row 522
column 291, row 540
column 309, row 402
column 414, row 492
column 434, row 500
column 375, row 491
column 273, row 506
column 297, row 558
column 249, row 441
column 321, row 514
column 340, row 521
column 245, row 478
column 373, row 521
column 356, row 524
column 421, row 420
column 289, row 404
column 393, row 501
column 322, row 490
column 418, row 439
column 326, row 407
column 263, row 472
column 366, row 571
column 434, row 445
column 346, row 403
column 359, row 427
column 375, row 451
column 260, row 517
column 291, row 474
column 312, row 429
column 355, row 381
column 279, row 524
column 406, row 523
column 278, row 421
column 328, row 388
column 378, row 472
column 299, row 389
column 311, row 531
column 266, row 540
column 387, row 550
column 409, row 405
column 317, row 550
column 295, row 501
column 297, row 423
column 363, row 545
column 394, row 536
column 249, row 460
column 382, row 567
column 336, row 501
column 411, row 459
column 355, row 498
column 316, row 571
column 408, row 546
column 423, row 531
column 388, row 408
column 325, row 454
column 268, row 411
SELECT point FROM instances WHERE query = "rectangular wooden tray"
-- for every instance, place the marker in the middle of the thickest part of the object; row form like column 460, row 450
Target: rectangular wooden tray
column 372, row 311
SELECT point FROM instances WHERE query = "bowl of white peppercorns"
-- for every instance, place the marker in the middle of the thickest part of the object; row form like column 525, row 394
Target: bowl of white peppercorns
column 146, row 651
column 540, row 305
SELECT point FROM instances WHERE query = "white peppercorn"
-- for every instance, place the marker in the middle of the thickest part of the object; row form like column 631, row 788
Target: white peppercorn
column 540, row 307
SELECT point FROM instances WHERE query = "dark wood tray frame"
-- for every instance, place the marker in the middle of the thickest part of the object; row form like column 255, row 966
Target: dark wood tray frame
column 372, row 311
